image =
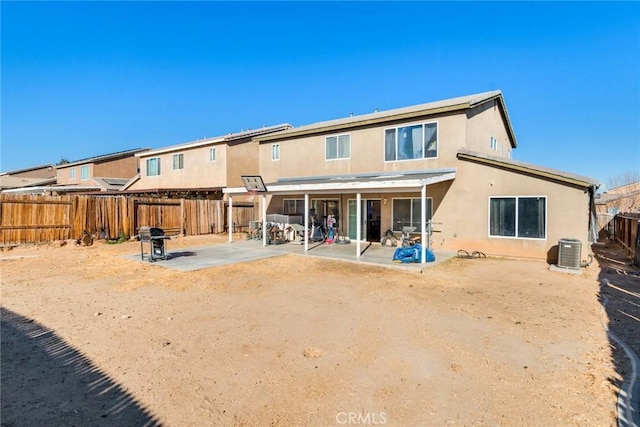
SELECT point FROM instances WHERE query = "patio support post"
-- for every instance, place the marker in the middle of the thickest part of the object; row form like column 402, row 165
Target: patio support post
column 358, row 224
column 423, row 221
column 264, row 219
column 306, row 222
column 230, row 218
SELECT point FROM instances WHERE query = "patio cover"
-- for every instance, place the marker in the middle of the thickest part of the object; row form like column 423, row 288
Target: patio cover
column 406, row 181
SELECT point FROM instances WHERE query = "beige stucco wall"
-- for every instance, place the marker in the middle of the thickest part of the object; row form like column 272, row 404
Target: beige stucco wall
column 119, row 168
column 45, row 172
column 63, row 175
column 485, row 121
column 198, row 172
column 436, row 193
column 305, row 156
column 465, row 212
column 242, row 160
column 461, row 211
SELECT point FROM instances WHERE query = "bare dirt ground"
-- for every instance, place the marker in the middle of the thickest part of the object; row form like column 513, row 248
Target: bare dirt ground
column 90, row 338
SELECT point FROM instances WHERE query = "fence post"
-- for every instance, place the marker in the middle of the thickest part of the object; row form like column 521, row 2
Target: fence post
column 182, row 230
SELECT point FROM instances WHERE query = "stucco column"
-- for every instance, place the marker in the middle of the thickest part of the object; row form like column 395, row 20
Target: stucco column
column 264, row 219
column 423, row 220
column 306, row 222
column 358, row 223
column 230, row 219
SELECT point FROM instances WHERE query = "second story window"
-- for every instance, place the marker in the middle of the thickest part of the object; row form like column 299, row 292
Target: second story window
column 153, row 166
column 275, row 152
column 493, row 143
column 338, row 147
column 84, row 172
column 411, row 142
column 178, row 161
column 72, row 173
column 212, row 154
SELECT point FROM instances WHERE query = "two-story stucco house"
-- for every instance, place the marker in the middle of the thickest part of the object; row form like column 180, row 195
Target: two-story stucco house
column 23, row 180
column 108, row 172
column 199, row 168
column 447, row 163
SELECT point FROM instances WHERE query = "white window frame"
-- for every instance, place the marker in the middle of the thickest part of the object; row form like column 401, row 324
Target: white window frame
column 212, row 154
column 337, row 137
column 275, row 152
column 384, row 141
column 179, row 157
column 546, row 213
column 84, row 172
column 157, row 171
column 493, row 143
column 429, row 212
column 72, row 173
column 298, row 201
column 314, row 203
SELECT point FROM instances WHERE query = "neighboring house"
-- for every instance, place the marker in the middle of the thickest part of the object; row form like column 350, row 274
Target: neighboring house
column 109, row 172
column 448, row 162
column 622, row 199
column 200, row 168
column 28, row 177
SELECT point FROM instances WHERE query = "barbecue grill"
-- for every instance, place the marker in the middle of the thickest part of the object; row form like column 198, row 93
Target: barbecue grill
column 155, row 238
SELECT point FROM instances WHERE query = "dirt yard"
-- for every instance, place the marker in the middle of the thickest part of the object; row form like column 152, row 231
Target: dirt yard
column 90, row 338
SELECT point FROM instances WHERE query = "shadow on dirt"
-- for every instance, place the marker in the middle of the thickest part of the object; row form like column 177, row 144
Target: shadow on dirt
column 620, row 296
column 45, row 381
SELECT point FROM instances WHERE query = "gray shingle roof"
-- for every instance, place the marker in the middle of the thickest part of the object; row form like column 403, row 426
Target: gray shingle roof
column 104, row 157
column 430, row 108
column 542, row 171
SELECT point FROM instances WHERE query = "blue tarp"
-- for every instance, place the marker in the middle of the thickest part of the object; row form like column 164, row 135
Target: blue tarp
column 412, row 254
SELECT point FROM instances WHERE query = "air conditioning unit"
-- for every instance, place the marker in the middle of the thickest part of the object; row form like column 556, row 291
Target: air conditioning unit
column 569, row 251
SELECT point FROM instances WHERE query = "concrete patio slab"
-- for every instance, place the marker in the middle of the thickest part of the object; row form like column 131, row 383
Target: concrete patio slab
column 196, row 258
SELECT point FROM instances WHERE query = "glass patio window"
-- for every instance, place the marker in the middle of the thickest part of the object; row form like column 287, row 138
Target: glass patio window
column 520, row 217
column 406, row 213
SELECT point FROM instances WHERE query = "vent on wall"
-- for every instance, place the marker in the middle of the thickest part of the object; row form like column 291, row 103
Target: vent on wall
column 569, row 251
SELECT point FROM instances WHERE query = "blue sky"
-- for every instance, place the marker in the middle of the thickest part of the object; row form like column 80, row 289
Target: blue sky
column 81, row 79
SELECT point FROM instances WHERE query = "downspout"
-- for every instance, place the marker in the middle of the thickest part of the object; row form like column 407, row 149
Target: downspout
column 593, row 219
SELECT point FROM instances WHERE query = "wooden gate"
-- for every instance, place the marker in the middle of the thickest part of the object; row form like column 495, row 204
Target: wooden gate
column 165, row 214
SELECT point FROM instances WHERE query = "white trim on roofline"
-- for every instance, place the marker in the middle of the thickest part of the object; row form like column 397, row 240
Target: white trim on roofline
column 355, row 186
column 181, row 147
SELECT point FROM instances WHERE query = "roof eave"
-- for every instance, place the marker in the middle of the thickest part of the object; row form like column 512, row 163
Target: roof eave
column 181, row 147
column 368, row 121
column 529, row 170
column 353, row 187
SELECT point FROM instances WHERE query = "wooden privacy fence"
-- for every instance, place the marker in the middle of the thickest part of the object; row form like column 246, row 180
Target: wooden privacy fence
column 37, row 219
column 627, row 232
